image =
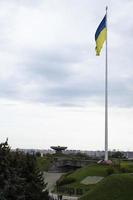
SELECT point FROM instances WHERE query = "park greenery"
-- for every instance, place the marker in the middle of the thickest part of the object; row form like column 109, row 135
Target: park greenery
column 44, row 162
column 114, row 187
column 20, row 178
column 71, row 183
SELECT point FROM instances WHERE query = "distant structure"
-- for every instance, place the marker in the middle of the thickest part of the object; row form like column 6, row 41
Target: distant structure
column 58, row 149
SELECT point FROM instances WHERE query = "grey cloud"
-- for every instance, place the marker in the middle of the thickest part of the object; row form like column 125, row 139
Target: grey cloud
column 8, row 90
column 65, row 89
column 52, row 70
column 55, row 65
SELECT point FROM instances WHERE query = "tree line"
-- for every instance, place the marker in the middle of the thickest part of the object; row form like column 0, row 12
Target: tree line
column 20, row 179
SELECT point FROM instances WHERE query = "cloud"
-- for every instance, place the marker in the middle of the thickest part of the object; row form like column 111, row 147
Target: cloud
column 47, row 52
column 51, row 78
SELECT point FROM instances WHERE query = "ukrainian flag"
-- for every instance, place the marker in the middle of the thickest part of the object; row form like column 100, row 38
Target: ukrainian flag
column 100, row 35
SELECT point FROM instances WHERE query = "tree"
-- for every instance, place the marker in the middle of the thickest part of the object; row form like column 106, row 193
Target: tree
column 34, row 179
column 38, row 154
column 20, row 178
column 117, row 154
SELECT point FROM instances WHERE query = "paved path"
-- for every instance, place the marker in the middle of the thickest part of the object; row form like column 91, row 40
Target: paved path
column 51, row 179
column 64, row 197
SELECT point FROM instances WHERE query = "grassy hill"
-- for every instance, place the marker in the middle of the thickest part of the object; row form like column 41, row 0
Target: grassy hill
column 90, row 170
column 114, row 187
column 73, row 180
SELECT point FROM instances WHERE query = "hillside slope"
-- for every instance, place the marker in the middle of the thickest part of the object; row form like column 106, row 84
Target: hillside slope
column 72, row 181
column 114, row 187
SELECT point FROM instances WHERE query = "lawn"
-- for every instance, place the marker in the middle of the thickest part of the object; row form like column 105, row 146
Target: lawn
column 72, row 181
column 114, row 187
column 91, row 170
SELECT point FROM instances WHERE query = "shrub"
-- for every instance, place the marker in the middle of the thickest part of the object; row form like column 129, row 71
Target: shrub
column 125, row 170
column 110, row 171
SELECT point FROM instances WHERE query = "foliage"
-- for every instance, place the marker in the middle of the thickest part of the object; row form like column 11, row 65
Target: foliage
column 126, row 170
column 38, row 154
column 82, row 156
column 20, row 178
column 44, row 163
column 110, row 170
column 117, row 154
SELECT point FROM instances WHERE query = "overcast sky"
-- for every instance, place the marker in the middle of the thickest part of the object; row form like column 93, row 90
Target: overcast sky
column 51, row 82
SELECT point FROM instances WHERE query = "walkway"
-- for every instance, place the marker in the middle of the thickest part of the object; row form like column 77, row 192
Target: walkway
column 64, row 197
column 51, row 179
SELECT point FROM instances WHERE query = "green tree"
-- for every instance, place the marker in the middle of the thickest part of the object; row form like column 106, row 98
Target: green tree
column 20, row 179
column 117, row 154
column 34, row 179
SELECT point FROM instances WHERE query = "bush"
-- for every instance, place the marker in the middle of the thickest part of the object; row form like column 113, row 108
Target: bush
column 38, row 154
column 125, row 170
column 110, row 171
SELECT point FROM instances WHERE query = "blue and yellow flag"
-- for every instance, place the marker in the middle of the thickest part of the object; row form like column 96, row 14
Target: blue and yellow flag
column 100, row 35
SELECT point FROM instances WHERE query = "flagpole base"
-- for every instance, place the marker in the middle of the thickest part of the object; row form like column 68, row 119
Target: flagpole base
column 105, row 162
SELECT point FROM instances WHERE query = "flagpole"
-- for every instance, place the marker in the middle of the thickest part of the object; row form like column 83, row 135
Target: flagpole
column 106, row 91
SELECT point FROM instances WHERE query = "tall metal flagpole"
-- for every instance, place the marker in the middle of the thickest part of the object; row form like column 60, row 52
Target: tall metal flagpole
column 106, row 92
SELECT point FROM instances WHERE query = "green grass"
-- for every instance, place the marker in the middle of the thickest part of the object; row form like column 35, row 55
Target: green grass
column 95, row 170
column 126, row 163
column 91, row 170
column 114, row 187
column 80, row 174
